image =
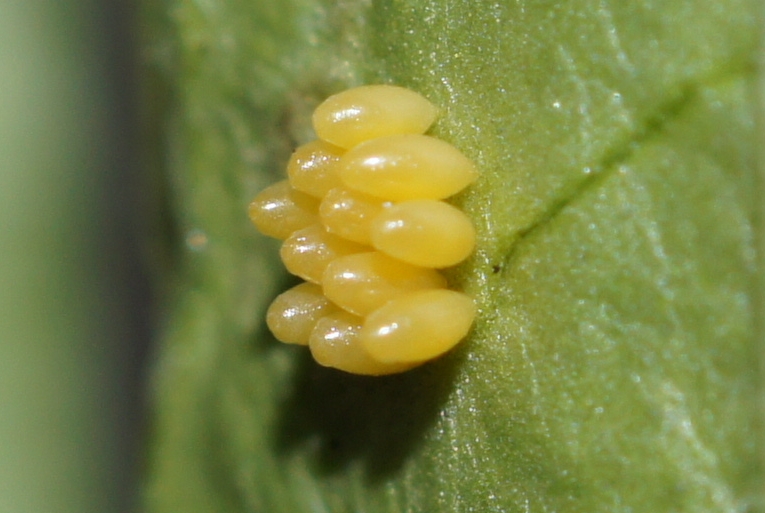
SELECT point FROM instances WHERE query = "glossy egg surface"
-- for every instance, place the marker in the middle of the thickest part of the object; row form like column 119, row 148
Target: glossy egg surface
column 417, row 327
column 280, row 210
column 406, row 167
column 363, row 282
column 334, row 343
column 348, row 213
column 312, row 168
column 362, row 221
column 294, row 313
column 307, row 252
column 368, row 112
column 427, row 233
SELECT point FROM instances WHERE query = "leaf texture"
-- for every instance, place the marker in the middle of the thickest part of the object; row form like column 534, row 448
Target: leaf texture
column 614, row 366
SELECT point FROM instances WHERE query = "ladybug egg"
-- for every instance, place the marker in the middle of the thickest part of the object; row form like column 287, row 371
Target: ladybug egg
column 363, row 222
column 307, row 252
column 311, row 168
column 427, row 233
column 280, row 210
column 334, row 343
column 293, row 314
column 417, row 327
column 405, row 167
column 363, row 282
column 368, row 112
column 348, row 213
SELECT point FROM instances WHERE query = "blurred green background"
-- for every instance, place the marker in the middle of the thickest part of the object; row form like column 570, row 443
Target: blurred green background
column 73, row 301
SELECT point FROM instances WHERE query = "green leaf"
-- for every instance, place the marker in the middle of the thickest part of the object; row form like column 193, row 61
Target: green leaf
column 615, row 362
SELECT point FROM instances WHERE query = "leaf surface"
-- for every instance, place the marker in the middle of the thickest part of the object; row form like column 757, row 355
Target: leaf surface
column 614, row 364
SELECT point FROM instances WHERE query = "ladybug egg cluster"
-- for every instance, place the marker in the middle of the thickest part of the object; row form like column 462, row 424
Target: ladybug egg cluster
column 364, row 224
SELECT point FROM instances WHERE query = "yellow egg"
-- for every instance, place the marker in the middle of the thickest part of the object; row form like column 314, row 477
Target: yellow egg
column 427, row 233
column 293, row 314
column 417, row 327
column 363, row 282
column 362, row 222
column 406, row 167
column 334, row 343
column 307, row 252
column 312, row 168
column 348, row 213
column 368, row 112
column 279, row 210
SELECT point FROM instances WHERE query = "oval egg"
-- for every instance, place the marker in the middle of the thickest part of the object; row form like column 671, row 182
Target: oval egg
column 362, row 222
column 368, row 112
column 307, row 252
column 348, row 213
column 363, row 282
column 334, row 342
column 426, row 233
column 294, row 313
column 406, row 167
column 312, row 168
column 417, row 327
column 279, row 210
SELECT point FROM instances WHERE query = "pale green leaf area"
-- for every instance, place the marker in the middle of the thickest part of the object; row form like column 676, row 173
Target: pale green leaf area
column 614, row 363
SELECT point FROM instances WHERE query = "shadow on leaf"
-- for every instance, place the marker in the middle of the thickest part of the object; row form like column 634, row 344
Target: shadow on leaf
column 341, row 418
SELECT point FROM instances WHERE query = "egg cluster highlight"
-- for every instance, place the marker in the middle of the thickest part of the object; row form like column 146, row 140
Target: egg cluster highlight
column 363, row 222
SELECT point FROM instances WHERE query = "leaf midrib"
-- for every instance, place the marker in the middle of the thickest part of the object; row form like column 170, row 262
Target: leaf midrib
column 653, row 128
